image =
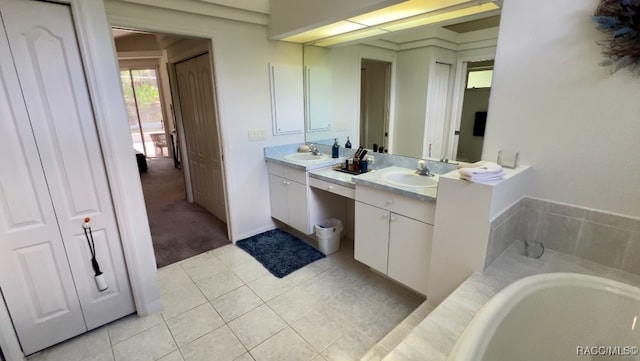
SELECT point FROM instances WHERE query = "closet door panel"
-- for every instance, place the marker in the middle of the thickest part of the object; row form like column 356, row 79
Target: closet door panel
column 35, row 276
column 50, row 71
column 77, row 248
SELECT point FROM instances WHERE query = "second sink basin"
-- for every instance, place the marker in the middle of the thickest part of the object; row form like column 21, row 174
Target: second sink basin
column 405, row 179
column 305, row 157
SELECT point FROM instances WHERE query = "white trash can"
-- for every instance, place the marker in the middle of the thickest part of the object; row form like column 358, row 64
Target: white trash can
column 328, row 233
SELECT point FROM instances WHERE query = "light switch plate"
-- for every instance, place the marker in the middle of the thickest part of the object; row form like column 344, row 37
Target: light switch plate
column 257, row 134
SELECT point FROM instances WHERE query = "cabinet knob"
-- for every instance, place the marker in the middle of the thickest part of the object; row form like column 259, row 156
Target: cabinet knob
column 384, row 215
column 393, row 219
column 390, row 201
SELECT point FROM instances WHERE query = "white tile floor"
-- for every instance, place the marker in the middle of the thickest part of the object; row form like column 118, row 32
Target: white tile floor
column 223, row 305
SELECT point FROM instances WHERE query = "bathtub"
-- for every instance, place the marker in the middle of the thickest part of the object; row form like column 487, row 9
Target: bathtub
column 555, row 316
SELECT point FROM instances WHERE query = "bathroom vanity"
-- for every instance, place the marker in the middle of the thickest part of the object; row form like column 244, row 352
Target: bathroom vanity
column 393, row 213
column 394, row 226
column 292, row 200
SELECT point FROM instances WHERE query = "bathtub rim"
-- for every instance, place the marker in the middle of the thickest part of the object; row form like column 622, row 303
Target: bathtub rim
column 474, row 340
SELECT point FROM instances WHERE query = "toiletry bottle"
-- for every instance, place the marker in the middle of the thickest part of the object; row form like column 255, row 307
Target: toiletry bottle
column 348, row 143
column 364, row 165
column 335, row 150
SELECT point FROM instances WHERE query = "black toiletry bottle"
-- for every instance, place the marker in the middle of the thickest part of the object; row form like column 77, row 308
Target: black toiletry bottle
column 335, row 150
column 348, row 143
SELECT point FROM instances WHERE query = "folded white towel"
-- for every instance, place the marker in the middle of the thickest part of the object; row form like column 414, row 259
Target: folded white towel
column 481, row 168
column 483, row 177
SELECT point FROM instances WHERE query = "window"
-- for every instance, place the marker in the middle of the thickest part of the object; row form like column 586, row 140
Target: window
column 479, row 78
column 142, row 97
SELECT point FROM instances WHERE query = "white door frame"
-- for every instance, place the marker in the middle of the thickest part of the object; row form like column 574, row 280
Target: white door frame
column 457, row 100
column 171, row 29
column 368, row 53
column 102, row 73
column 431, row 105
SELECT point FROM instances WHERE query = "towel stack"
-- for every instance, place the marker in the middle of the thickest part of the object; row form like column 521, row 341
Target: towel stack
column 481, row 172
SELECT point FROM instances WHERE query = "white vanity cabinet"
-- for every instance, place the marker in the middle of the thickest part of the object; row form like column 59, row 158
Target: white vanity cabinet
column 393, row 235
column 288, row 193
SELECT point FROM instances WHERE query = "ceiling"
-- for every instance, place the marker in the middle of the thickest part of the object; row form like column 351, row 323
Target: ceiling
column 457, row 27
column 475, row 25
column 468, row 24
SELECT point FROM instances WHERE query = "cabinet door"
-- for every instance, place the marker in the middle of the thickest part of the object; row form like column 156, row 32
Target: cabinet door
column 410, row 251
column 297, row 204
column 371, row 244
column 279, row 198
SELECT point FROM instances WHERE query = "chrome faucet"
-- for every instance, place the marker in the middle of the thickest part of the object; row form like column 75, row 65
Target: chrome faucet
column 313, row 149
column 423, row 170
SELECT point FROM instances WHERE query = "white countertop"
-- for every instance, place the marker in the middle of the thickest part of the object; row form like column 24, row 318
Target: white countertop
column 374, row 179
column 323, row 169
column 330, row 175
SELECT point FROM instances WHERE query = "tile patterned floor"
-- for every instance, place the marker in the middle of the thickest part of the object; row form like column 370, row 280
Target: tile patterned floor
column 223, row 305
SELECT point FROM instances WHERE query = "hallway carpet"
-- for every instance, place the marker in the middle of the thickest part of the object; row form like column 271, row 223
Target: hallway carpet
column 179, row 229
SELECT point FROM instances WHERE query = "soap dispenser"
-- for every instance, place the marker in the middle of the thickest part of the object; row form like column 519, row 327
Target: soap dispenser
column 348, row 143
column 335, row 150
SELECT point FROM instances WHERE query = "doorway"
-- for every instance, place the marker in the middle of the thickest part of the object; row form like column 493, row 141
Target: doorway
column 182, row 224
column 475, row 105
column 375, row 79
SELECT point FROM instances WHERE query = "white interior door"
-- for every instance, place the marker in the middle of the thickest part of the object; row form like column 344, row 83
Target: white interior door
column 35, row 276
column 42, row 41
column 437, row 106
column 201, row 133
column 211, row 135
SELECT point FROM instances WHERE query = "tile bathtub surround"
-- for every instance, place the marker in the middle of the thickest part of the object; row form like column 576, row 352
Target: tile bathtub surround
column 224, row 305
column 434, row 338
column 608, row 239
column 503, row 232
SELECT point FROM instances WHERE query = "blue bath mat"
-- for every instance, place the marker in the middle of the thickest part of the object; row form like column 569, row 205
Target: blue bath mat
column 279, row 252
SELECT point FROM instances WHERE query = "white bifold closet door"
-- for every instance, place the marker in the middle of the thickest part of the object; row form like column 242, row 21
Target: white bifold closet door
column 52, row 176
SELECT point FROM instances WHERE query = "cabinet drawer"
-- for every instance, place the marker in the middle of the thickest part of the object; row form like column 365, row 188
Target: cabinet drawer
column 413, row 208
column 333, row 188
column 294, row 174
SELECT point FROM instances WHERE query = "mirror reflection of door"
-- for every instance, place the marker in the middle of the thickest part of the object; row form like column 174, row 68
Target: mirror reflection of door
column 375, row 77
column 474, row 111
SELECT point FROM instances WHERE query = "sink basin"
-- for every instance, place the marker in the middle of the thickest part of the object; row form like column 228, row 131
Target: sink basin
column 305, row 157
column 410, row 180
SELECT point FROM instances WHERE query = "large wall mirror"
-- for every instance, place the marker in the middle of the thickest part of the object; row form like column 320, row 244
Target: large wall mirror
column 421, row 92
